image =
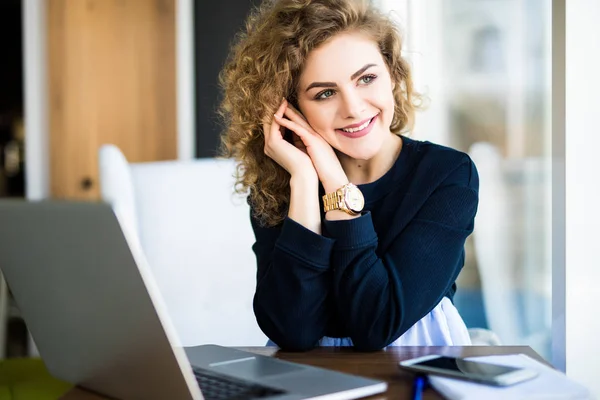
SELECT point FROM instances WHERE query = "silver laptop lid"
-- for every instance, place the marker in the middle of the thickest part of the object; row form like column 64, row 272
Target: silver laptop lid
column 97, row 319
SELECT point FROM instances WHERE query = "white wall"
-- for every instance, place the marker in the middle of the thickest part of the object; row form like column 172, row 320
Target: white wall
column 35, row 89
column 582, row 188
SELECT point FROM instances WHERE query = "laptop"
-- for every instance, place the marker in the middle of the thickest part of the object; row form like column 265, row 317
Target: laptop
column 93, row 308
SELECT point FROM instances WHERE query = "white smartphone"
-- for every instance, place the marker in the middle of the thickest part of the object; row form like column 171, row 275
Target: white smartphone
column 481, row 372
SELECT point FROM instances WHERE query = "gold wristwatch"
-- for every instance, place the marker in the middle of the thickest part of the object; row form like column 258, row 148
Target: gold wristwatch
column 348, row 198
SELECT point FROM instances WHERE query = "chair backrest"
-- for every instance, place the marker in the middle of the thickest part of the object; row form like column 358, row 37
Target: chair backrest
column 197, row 238
column 509, row 237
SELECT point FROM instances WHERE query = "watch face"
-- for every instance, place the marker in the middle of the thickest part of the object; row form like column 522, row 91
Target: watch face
column 354, row 198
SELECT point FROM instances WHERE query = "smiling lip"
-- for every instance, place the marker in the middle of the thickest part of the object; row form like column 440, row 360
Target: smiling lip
column 356, row 125
column 358, row 134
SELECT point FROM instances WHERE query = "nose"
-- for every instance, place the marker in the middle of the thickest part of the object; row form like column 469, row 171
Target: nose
column 353, row 105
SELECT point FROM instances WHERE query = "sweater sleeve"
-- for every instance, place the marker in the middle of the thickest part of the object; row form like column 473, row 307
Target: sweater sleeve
column 380, row 298
column 293, row 284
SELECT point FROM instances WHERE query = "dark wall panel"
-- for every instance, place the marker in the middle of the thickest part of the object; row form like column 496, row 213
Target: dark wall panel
column 11, row 57
column 216, row 23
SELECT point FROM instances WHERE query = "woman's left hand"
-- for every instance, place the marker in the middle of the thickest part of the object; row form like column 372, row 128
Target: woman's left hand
column 327, row 165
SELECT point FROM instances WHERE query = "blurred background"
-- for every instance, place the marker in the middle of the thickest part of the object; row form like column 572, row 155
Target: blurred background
column 142, row 74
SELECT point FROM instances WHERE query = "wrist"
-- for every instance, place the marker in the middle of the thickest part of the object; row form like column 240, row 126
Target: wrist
column 306, row 180
column 349, row 199
column 334, row 183
column 338, row 215
column 304, row 201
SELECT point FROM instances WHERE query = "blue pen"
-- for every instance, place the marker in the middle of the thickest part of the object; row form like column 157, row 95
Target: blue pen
column 418, row 386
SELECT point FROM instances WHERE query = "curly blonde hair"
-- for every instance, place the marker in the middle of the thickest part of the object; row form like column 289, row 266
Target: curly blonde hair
column 264, row 66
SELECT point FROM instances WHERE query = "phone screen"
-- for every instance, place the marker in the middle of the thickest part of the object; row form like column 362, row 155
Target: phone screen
column 471, row 368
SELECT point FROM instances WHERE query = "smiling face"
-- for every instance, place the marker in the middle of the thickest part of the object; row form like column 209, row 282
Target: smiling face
column 345, row 93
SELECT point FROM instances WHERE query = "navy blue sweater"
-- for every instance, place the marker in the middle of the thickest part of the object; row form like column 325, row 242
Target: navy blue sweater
column 370, row 278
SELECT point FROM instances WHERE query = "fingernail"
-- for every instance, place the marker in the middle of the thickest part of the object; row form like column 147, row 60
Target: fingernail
column 276, row 116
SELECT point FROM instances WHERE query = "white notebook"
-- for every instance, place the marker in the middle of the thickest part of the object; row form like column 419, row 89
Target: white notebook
column 550, row 384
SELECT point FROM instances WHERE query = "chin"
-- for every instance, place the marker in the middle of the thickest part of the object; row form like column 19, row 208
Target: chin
column 362, row 153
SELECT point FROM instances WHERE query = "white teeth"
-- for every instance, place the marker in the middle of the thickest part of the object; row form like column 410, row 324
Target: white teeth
column 360, row 128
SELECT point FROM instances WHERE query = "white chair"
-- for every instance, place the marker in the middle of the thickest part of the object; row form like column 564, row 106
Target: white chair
column 196, row 236
column 509, row 236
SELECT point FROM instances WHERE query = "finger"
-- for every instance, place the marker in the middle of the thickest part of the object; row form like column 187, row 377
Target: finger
column 294, row 109
column 277, row 130
column 273, row 135
column 268, row 122
column 295, row 127
column 296, row 116
column 281, row 110
column 275, row 126
column 268, row 130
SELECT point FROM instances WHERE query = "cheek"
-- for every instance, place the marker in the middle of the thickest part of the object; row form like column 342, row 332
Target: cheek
column 389, row 103
column 318, row 117
column 382, row 94
column 389, row 93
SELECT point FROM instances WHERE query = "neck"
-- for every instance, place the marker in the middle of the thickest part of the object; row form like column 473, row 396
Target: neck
column 366, row 171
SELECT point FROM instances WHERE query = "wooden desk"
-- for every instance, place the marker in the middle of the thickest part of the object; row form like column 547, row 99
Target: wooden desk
column 381, row 365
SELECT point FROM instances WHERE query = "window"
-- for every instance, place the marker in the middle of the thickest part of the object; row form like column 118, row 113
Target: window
column 484, row 66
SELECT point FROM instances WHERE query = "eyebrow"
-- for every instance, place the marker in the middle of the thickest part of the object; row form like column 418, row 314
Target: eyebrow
column 333, row 84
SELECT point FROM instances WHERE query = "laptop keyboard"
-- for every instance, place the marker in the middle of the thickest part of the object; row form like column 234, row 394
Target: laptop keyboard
column 219, row 387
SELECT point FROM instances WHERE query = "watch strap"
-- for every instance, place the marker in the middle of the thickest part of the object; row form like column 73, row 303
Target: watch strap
column 334, row 200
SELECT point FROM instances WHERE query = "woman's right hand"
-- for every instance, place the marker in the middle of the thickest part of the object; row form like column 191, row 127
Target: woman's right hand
column 292, row 157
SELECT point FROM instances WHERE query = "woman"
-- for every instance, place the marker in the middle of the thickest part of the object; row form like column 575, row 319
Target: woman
column 360, row 230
